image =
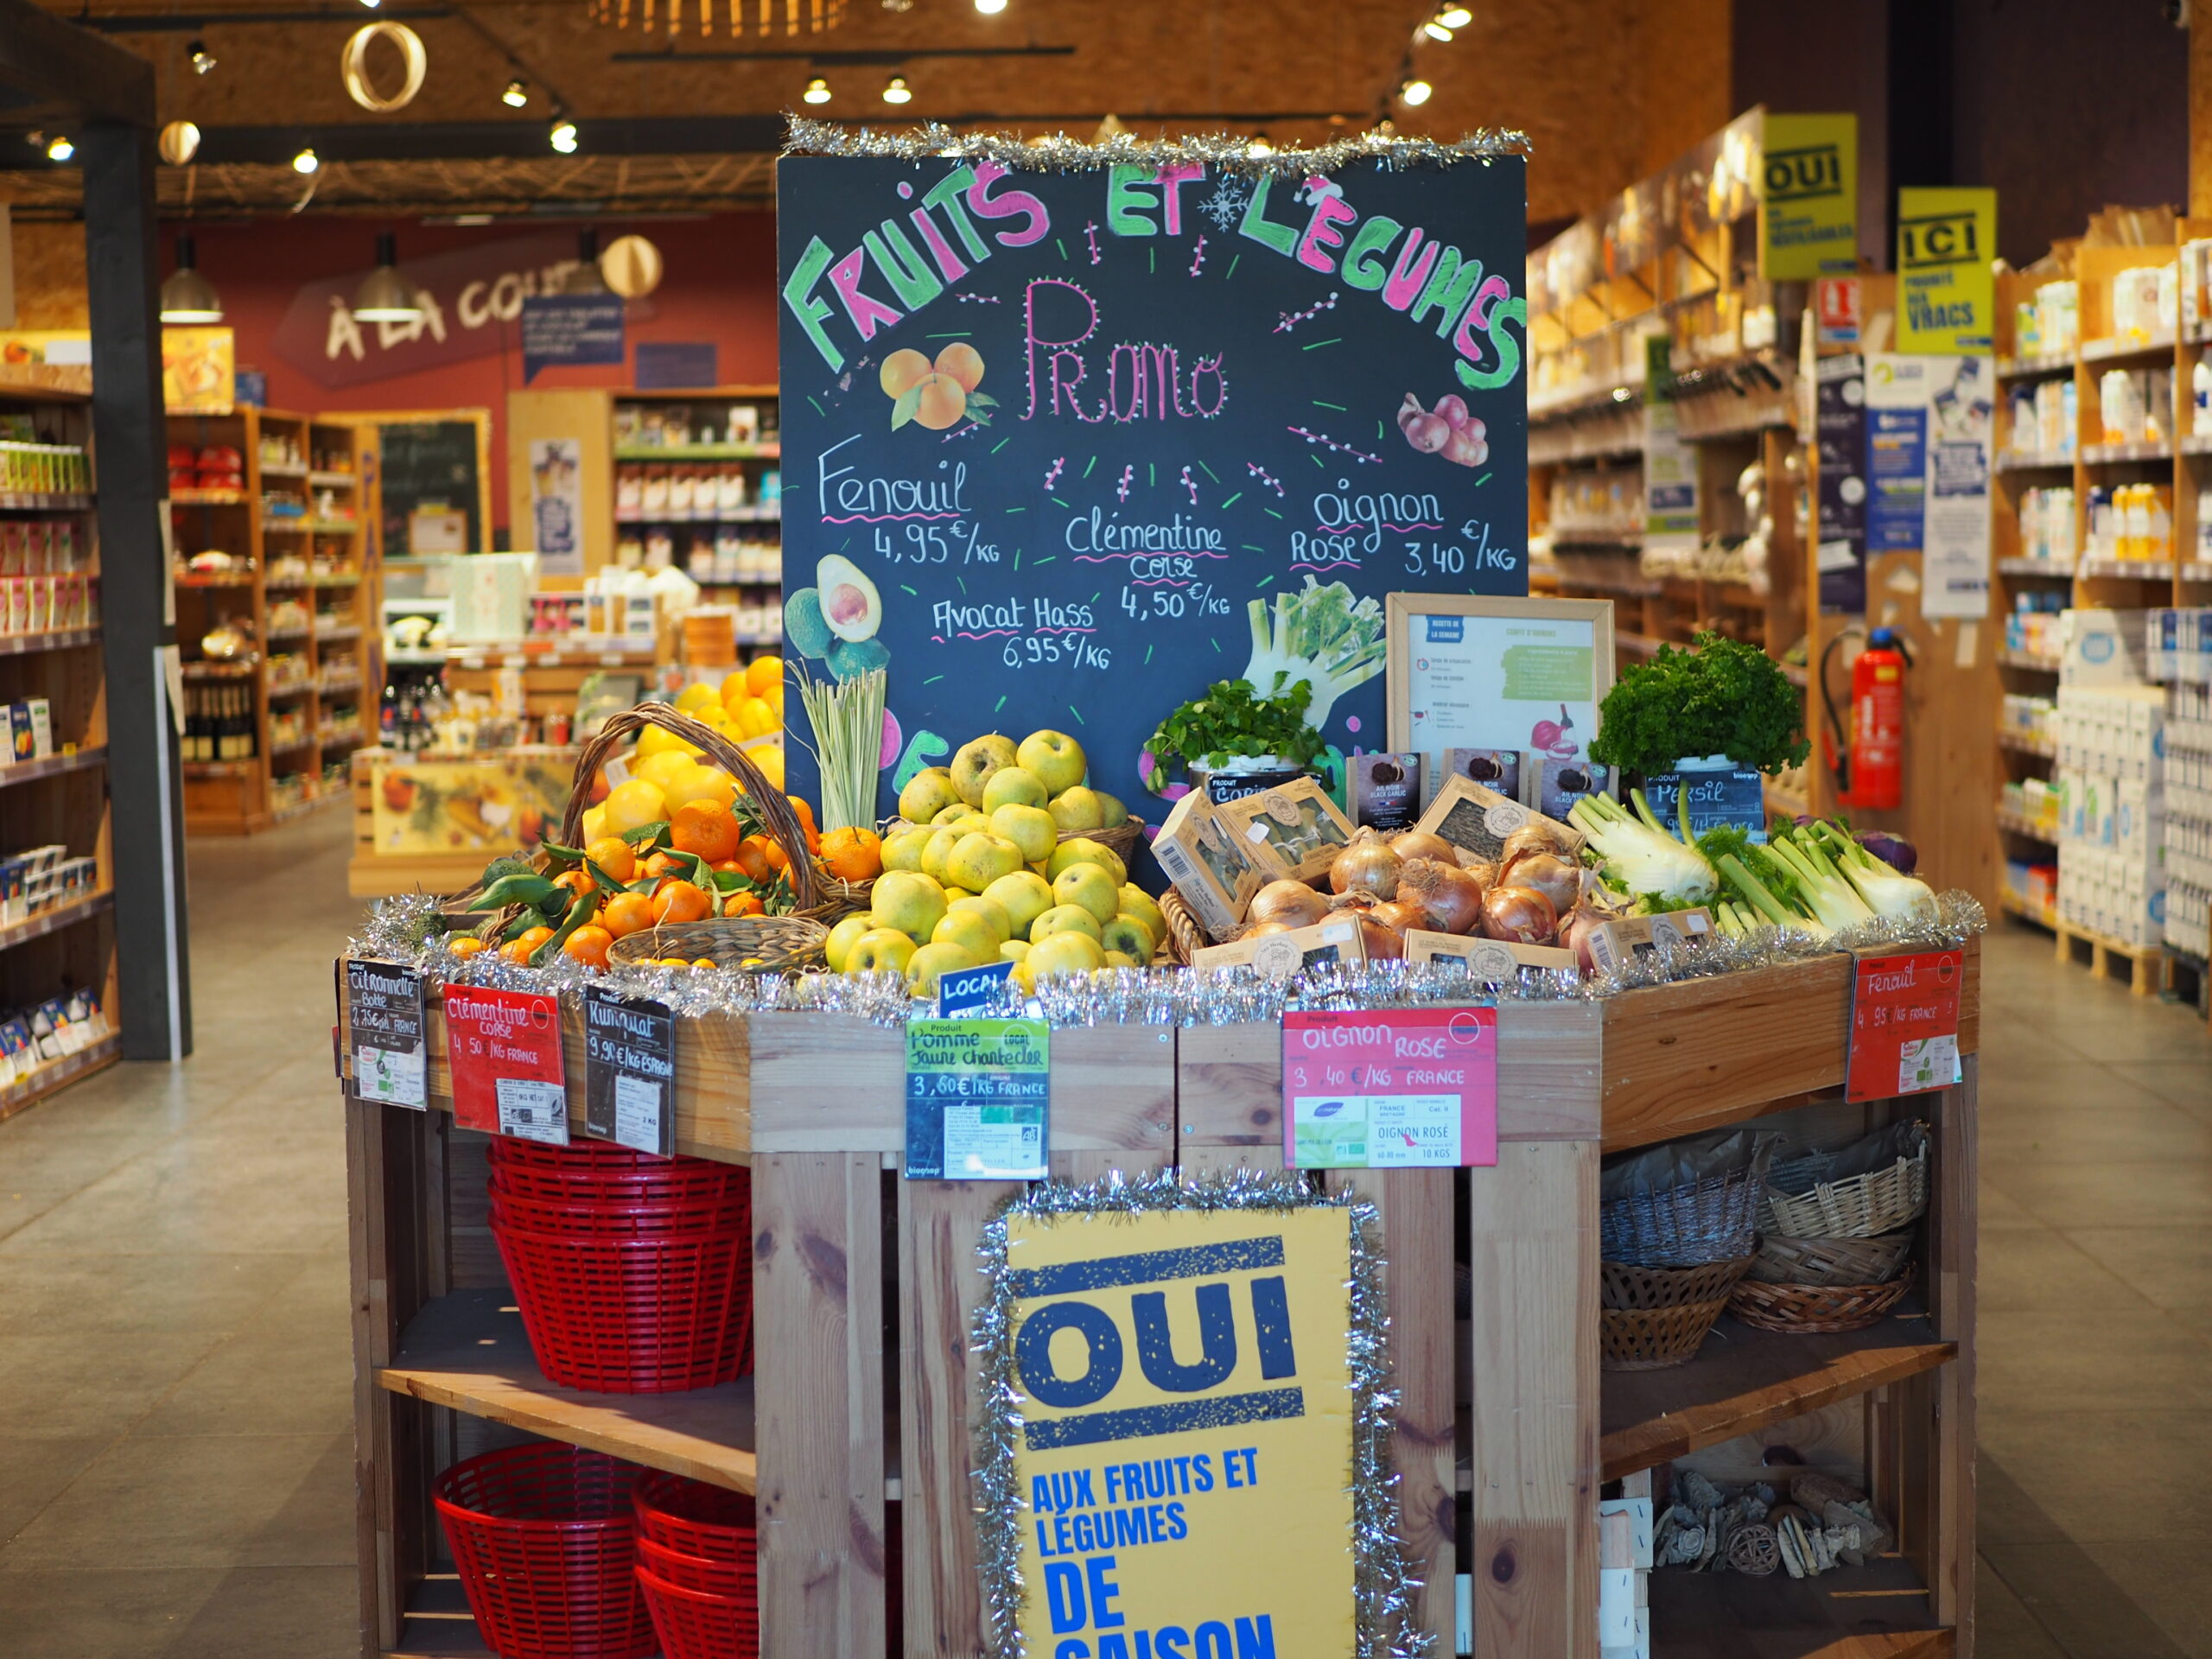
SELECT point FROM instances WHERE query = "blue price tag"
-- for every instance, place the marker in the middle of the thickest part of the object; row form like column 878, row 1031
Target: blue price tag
column 968, row 991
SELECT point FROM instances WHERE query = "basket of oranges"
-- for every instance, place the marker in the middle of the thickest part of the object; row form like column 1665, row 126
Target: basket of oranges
column 724, row 850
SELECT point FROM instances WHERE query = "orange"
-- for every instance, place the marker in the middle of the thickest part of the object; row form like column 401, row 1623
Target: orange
column 741, row 904
column 760, row 857
column 705, row 827
column 944, row 400
column 588, row 944
column 625, row 913
column 762, row 673
column 466, row 946
column 613, row 855
column 704, row 961
column 516, row 951
column 578, row 882
column 663, row 863
column 963, row 362
column 727, row 865
column 901, row 370
column 533, row 937
column 680, row 901
column 806, row 823
column 853, row 854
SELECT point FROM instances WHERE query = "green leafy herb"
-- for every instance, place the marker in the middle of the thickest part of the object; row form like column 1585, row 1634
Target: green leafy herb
column 1231, row 721
column 1722, row 696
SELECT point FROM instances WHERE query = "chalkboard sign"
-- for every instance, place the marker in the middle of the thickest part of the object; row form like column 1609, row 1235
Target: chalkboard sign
column 1063, row 448
column 429, row 464
column 1719, row 795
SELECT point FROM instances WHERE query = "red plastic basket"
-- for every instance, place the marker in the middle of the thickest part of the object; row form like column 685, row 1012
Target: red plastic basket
column 596, row 1177
column 695, row 1518
column 645, row 1315
column 545, row 1540
column 693, row 1624
column 620, row 1220
column 738, row 1578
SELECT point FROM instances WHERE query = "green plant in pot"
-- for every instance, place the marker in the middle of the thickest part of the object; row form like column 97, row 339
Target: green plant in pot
column 1237, row 735
column 1721, row 698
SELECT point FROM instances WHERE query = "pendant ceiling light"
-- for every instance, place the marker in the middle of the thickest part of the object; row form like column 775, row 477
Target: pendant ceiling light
column 186, row 296
column 733, row 19
column 385, row 295
column 585, row 278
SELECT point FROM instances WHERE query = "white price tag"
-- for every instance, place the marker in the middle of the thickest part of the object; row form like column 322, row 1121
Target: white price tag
column 394, row 1076
column 534, row 1110
column 995, row 1140
column 638, row 1103
column 1412, row 1131
column 1929, row 1063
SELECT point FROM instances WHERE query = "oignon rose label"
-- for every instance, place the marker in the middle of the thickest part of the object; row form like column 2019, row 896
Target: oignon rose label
column 1400, row 1089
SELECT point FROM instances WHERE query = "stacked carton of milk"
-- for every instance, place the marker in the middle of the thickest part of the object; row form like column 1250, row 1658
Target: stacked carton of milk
column 2180, row 644
column 2111, row 778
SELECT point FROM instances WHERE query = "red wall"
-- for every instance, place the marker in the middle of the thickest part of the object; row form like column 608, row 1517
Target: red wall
column 718, row 283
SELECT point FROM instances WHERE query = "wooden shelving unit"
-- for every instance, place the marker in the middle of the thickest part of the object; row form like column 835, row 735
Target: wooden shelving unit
column 62, row 798
column 1507, row 1430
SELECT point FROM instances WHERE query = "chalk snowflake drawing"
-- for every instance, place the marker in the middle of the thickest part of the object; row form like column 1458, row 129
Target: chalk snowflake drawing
column 977, row 299
column 1192, row 485
column 1090, row 232
column 1128, row 477
column 1053, row 477
column 1264, row 476
column 1225, row 207
column 1330, row 443
column 1198, row 259
column 1290, row 319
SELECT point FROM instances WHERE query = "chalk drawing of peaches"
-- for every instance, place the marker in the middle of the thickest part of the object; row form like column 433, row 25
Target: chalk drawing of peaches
column 1447, row 430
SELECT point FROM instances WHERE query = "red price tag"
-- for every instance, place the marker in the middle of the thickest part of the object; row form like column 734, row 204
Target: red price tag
column 504, row 1048
column 1398, row 1088
column 1904, row 1024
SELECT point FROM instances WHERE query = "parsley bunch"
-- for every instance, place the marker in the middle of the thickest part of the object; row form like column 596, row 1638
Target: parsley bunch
column 1720, row 696
column 1232, row 720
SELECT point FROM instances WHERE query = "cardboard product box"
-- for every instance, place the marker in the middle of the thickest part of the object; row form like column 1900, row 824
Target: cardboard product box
column 1496, row 769
column 41, row 716
column 1477, row 819
column 1281, row 956
column 1386, row 790
column 23, row 743
column 1615, row 944
column 1495, row 962
column 1554, row 787
column 1293, row 831
column 1208, row 868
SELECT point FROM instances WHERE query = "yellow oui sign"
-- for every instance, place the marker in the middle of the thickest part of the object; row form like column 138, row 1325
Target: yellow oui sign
column 1947, row 292
column 1183, row 1436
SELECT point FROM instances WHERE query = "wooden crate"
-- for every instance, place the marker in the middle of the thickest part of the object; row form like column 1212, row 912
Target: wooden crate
column 854, row 1431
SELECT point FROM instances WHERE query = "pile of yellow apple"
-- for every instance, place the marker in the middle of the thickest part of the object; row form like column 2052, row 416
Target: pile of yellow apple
column 980, row 874
column 665, row 771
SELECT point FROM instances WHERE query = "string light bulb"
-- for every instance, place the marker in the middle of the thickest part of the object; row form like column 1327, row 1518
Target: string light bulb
column 516, row 93
column 817, row 91
column 59, row 148
column 563, row 136
column 990, row 8
column 1437, row 29
column 895, row 91
column 307, row 161
column 1455, row 17
column 200, row 57
column 1414, row 93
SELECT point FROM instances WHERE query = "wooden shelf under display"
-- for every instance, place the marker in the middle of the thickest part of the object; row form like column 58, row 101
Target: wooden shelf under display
column 1880, row 1610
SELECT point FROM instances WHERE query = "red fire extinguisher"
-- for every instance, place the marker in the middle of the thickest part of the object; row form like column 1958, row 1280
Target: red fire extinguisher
column 1870, row 768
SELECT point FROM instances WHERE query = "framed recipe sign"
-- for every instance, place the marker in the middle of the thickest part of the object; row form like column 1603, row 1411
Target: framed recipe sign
column 1502, row 692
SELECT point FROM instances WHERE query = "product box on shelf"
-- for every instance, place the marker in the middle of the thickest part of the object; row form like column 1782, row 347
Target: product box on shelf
column 1278, row 955
column 1484, row 959
column 1614, row 945
column 1477, row 819
column 1292, row 829
column 1212, row 875
column 2101, row 647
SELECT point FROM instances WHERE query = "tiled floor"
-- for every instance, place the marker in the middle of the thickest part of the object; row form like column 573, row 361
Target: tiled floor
column 175, row 1444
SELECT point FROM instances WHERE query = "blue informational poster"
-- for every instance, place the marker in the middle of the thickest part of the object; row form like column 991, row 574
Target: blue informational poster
column 569, row 328
column 1896, row 479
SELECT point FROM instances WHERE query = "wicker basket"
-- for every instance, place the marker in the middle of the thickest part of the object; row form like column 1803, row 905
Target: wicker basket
column 1801, row 1202
column 756, row 944
column 1652, row 1338
column 1711, row 1220
column 1185, row 938
column 1623, row 1284
column 1815, row 1310
column 1122, row 840
column 1831, row 1261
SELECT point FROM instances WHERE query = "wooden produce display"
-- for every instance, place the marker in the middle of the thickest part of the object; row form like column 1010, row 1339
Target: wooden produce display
column 852, row 1432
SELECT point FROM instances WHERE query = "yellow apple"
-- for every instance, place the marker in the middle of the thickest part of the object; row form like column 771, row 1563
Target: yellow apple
column 979, row 859
column 927, row 793
column 974, row 763
column 1056, row 758
column 1029, row 828
column 926, row 965
column 1127, row 935
column 839, row 945
column 1024, row 896
column 1064, row 953
column 936, row 851
column 903, row 850
column 972, row 932
column 913, row 904
column 1078, row 808
column 1014, row 951
column 1084, row 850
column 1091, row 886
column 880, row 950
column 1014, row 787
column 990, row 910
column 1136, row 902
column 1063, row 918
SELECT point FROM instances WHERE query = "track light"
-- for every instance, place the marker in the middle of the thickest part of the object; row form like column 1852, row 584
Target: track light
column 563, row 136
column 895, row 91
column 306, row 161
column 817, row 91
column 372, row 4
column 59, row 148
column 1437, row 29
column 990, row 8
column 517, row 93
column 200, row 57
column 186, row 296
column 385, row 296
column 1455, row 17
column 1414, row 92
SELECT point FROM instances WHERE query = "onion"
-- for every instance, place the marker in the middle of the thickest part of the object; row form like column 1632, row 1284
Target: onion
column 1519, row 916
column 1537, row 835
column 1261, row 930
column 1290, row 903
column 1366, row 862
column 1483, row 870
column 1558, row 879
column 1574, row 934
column 1383, row 943
column 1418, row 843
column 1452, row 897
column 1400, row 914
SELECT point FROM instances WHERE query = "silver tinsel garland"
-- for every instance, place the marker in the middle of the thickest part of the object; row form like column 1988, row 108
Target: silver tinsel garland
column 1222, row 152
column 1382, row 1581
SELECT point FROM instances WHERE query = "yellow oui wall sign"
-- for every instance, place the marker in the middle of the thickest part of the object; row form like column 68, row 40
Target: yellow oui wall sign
column 1179, row 1390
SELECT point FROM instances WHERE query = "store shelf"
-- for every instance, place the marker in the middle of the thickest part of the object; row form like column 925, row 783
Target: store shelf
column 2195, row 570
column 28, row 1090
column 2030, row 461
column 2124, row 351
column 2028, row 743
column 59, row 916
column 2127, row 570
column 2019, row 823
column 218, row 768
column 1744, row 1378
column 735, row 516
column 332, row 480
column 437, row 1623
column 1596, row 533
column 45, row 501
column 1636, row 644
column 2040, row 570
column 245, row 580
column 326, row 636
column 17, row 644
column 1880, row 1610
column 2030, row 660
column 281, row 469
column 24, row 771
column 2104, row 455
column 1778, row 799
column 467, row 1351
column 300, row 689
column 699, row 452
column 2014, row 904
column 314, row 803
column 2029, row 368
column 208, row 497
column 309, row 526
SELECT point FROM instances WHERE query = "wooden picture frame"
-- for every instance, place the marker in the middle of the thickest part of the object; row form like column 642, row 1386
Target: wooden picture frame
column 1541, row 745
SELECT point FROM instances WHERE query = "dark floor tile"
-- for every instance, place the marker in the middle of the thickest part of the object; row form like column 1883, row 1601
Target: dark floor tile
column 2004, row 1628
column 2051, row 1361
column 97, row 1612
column 300, row 1612
column 2167, row 1577
column 33, row 1473
column 289, row 1370
column 2170, row 1267
column 93, row 1382
column 2127, row 1126
column 2082, row 1610
column 63, row 1294
column 2109, row 1477
column 2039, row 1270
column 2097, row 1194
